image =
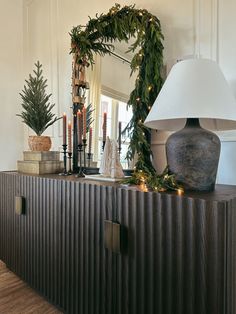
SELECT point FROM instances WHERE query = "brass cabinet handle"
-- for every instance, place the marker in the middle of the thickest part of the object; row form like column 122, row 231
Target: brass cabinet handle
column 112, row 237
column 116, row 237
column 19, row 205
column 108, row 234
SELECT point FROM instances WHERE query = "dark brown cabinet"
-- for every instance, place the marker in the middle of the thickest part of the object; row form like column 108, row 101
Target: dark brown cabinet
column 176, row 258
column 177, row 253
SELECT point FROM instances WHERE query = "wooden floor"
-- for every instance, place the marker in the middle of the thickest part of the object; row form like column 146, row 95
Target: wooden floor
column 16, row 297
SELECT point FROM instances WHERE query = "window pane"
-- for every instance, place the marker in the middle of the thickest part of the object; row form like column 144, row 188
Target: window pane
column 124, row 114
column 123, row 159
column 106, row 106
column 116, row 112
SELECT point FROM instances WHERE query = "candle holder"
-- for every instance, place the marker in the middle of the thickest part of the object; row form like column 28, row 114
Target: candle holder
column 84, row 149
column 80, row 174
column 89, row 159
column 64, row 173
column 103, row 145
column 119, row 148
column 70, row 162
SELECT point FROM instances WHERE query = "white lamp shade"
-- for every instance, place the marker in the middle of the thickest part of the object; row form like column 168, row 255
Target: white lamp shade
column 194, row 88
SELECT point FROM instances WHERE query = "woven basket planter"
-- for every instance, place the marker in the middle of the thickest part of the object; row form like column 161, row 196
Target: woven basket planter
column 39, row 143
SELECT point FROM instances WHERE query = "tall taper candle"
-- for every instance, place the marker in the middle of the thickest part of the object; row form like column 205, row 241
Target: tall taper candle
column 90, row 140
column 69, row 138
column 64, row 128
column 79, row 122
column 84, row 123
column 104, row 127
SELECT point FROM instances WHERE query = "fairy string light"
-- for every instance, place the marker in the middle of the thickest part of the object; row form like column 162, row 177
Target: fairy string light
column 122, row 23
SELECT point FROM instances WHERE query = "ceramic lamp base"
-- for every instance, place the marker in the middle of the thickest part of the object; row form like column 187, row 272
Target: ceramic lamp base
column 193, row 156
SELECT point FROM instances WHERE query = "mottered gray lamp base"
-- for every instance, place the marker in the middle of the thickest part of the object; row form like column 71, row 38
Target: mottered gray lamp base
column 193, row 156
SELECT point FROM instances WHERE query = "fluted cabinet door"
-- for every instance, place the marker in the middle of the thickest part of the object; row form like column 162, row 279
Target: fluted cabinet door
column 40, row 232
column 10, row 245
column 63, row 235
column 57, row 246
column 173, row 258
column 89, row 267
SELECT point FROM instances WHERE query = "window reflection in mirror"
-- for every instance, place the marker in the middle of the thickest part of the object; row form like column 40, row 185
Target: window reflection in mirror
column 117, row 111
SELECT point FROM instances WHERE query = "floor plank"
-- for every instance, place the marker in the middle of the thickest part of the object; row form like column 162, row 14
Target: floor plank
column 16, row 297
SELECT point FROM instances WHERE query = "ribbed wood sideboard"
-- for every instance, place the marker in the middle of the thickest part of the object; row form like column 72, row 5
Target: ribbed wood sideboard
column 174, row 255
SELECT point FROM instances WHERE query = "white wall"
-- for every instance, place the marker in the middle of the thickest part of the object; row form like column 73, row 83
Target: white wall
column 46, row 27
column 184, row 24
column 11, row 129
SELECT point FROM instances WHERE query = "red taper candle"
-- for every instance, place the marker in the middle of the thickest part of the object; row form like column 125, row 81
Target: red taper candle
column 79, row 127
column 69, row 138
column 84, row 122
column 64, row 128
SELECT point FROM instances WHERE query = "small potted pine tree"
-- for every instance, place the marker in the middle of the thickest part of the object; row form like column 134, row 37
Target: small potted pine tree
column 37, row 110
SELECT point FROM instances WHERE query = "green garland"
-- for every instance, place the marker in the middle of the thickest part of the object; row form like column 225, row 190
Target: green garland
column 122, row 23
column 162, row 182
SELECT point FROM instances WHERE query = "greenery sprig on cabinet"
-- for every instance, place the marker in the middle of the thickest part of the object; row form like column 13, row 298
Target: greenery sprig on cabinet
column 120, row 24
column 37, row 110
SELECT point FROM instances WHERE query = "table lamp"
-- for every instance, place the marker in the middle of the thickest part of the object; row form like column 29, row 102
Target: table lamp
column 194, row 96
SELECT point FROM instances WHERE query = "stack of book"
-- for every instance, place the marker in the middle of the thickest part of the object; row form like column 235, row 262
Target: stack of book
column 36, row 162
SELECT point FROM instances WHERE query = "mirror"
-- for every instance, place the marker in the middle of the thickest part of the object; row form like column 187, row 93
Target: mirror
column 116, row 86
